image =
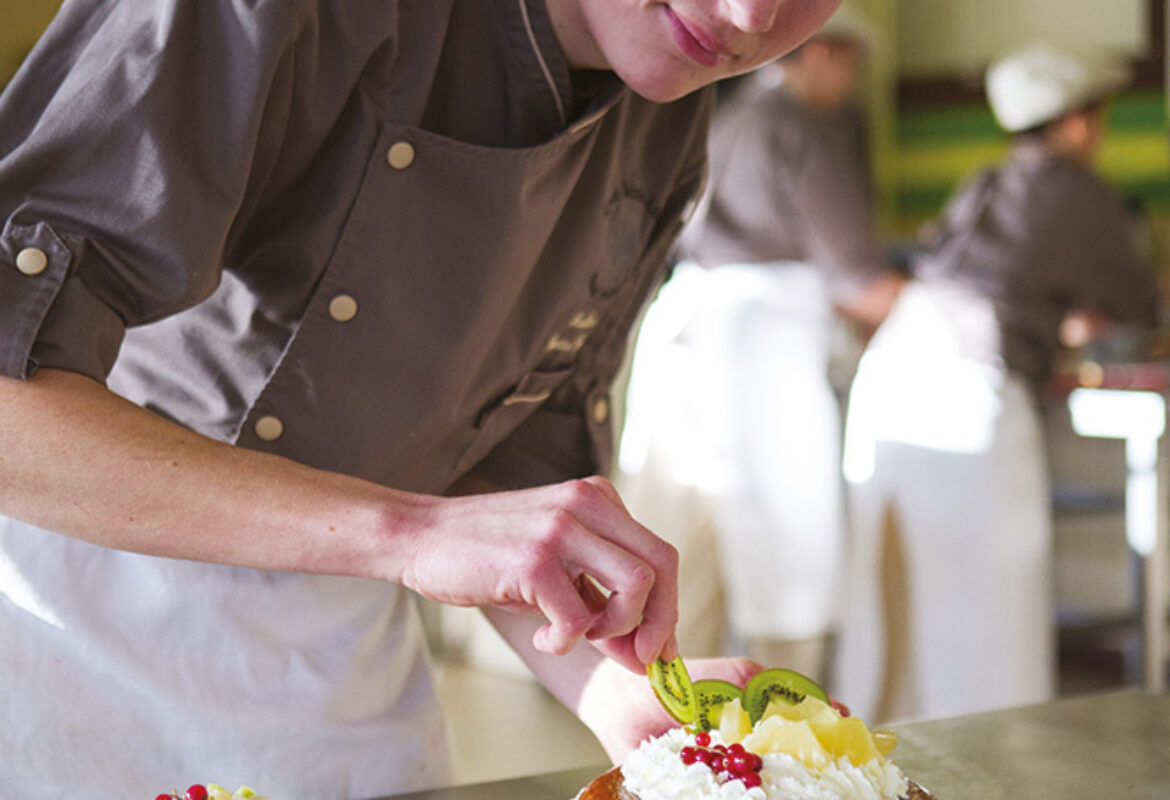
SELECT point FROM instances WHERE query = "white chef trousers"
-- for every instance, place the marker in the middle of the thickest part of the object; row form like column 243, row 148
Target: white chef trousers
column 941, row 435
column 127, row 676
column 754, row 429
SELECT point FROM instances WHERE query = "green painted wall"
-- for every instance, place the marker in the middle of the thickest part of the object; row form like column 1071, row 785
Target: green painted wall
column 936, row 147
column 21, row 22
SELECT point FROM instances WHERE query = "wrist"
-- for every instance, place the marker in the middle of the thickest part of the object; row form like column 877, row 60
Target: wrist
column 598, row 696
column 404, row 520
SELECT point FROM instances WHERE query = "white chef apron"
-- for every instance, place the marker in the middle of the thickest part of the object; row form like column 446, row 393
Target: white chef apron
column 752, row 422
column 941, row 433
column 126, row 676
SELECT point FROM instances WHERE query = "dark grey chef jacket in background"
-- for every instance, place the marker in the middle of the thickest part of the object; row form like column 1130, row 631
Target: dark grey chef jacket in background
column 789, row 183
column 1040, row 235
column 218, row 187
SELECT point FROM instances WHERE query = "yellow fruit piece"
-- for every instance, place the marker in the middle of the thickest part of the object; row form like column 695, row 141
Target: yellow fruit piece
column 884, row 741
column 734, row 723
column 848, row 737
column 797, row 739
column 809, row 708
column 247, row 793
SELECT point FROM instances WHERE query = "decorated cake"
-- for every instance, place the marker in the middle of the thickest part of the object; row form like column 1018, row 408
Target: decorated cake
column 211, row 791
column 779, row 738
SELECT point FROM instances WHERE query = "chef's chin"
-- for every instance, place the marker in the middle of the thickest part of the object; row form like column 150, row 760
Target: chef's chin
column 659, row 85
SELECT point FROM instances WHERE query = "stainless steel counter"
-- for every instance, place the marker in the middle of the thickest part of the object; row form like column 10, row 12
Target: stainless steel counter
column 1102, row 747
column 552, row 786
column 1113, row 746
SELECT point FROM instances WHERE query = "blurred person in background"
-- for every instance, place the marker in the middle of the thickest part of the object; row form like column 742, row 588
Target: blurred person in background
column 734, row 427
column 943, row 445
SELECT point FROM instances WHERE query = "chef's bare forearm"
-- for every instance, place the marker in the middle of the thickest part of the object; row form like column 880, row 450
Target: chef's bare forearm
column 565, row 676
column 77, row 459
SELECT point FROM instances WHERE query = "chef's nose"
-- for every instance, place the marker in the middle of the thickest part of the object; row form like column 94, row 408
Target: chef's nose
column 753, row 16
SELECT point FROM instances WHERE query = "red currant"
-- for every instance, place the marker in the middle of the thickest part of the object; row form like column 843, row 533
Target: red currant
column 165, row 797
column 729, row 763
column 741, row 763
column 197, row 792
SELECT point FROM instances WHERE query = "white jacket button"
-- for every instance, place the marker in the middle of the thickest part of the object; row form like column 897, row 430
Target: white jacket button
column 343, row 308
column 600, row 410
column 32, row 261
column 269, row 428
column 400, row 155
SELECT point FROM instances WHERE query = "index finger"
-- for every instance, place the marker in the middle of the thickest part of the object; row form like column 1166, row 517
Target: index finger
column 621, row 649
column 654, row 634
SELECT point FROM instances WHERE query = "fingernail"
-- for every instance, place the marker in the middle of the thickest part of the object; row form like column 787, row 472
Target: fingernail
column 670, row 652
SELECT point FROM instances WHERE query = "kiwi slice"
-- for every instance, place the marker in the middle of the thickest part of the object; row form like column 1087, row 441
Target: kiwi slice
column 673, row 688
column 710, row 695
column 782, row 684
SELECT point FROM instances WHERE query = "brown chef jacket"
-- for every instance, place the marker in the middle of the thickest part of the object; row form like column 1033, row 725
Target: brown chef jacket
column 394, row 239
column 1040, row 235
column 789, row 183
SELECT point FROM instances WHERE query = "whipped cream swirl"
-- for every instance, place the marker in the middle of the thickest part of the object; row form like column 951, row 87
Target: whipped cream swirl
column 655, row 772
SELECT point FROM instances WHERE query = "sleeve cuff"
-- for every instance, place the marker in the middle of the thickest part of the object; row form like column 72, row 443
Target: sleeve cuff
column 80, row 334
column 48, row 317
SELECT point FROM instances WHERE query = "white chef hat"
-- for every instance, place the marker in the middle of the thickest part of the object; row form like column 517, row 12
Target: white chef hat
column 1039, row 83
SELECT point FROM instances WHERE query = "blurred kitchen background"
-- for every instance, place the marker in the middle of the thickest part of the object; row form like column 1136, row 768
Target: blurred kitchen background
column 931, row 125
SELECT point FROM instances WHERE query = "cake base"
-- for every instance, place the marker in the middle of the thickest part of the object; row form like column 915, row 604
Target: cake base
column 611, row 786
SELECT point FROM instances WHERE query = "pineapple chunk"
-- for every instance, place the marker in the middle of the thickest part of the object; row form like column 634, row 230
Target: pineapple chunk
column 809, row 708
column 217, row 792
column 848, row 737
column 734, row 723
column 797, row 739
column 884, row 741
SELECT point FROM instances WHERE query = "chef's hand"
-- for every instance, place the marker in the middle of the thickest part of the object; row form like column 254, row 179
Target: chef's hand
column 546, row 551
column 871, row 305
column 1081, row 326
column 621, row 709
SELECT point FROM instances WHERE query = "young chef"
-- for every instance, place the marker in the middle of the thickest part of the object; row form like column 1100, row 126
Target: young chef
column 943, row 431
column 279, row 285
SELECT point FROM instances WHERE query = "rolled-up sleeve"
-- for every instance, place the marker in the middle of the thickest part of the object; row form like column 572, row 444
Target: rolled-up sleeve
column 34, row 263
column 128, row 141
